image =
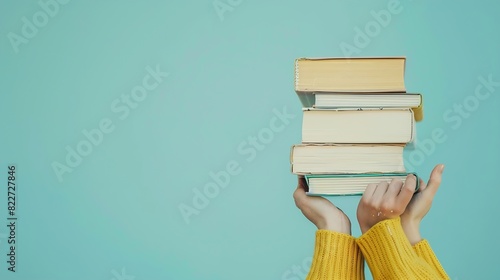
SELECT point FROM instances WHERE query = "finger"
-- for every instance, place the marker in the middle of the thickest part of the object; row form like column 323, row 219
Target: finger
column 370, row 189
column 394, row 187
column 380, row 192
column 434, row 181
column 406, row 192
column 422, row 185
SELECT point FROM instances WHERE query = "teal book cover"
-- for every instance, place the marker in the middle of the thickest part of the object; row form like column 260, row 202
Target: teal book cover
column 150, row 140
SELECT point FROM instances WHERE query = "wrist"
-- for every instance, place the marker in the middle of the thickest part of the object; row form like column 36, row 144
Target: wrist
column 343, row 225
column 363, row 228
column 412, row 231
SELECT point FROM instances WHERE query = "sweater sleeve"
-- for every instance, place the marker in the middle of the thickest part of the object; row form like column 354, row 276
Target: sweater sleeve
column 390, row 255
column 424, row 251
column 336, row 257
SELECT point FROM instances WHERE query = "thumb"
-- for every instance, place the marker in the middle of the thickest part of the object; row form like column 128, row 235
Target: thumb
column 407, row 191
column 434, row 181
column 300, row 193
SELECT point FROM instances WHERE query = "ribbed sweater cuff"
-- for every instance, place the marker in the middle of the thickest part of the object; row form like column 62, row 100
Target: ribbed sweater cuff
column 336, row 257
column 390, row 255
column 424, row 251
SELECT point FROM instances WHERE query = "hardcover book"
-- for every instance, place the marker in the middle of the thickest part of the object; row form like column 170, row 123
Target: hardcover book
column 358, row 126
column 349, row 184
column 346, row 158
column 381, row 74
column 327, row 100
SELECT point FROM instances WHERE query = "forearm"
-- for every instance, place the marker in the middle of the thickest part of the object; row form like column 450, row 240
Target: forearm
column 336, row 257
column 412, row 231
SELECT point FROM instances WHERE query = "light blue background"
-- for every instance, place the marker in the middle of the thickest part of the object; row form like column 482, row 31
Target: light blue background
column 119, row 208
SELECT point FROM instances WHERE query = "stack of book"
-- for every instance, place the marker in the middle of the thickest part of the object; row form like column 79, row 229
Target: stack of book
column 357, row 120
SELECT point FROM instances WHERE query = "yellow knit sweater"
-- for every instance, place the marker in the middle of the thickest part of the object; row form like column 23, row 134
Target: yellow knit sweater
column 386, row 249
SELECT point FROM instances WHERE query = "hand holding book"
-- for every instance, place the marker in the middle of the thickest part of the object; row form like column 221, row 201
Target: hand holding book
column 379, row 202
column 389, row 216
column 384, row 201
column 320, row 211
column 420, row 205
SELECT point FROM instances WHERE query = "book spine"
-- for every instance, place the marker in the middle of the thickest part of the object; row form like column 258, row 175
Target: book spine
column 291, row 154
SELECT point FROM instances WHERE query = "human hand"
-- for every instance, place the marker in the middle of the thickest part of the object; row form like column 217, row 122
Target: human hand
column 420, row 205
column 384, row 201
column 320, row 211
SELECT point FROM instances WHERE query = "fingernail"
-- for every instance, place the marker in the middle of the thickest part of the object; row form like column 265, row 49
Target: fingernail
column 441, row 168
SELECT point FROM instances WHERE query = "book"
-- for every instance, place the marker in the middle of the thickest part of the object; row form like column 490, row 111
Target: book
column 349, row 184
column 346, row 100
column 383, row 126
column 346, row 158
column 327, row 100
column 376, row 74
